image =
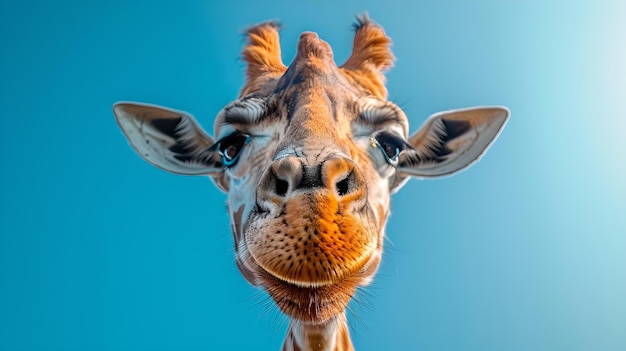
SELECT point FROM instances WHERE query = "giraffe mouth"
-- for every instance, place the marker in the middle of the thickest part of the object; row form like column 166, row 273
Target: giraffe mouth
column 311, row 253
column 311, row 241
column 315, row 305
column 312, row 305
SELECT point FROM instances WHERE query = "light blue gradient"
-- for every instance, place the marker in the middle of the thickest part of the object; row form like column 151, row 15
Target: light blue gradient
column 524, row 251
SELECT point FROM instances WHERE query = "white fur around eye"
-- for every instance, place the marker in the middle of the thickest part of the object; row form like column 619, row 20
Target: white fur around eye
column 239, row 113
column 376, row 112
column 383, row 168
column 251, row 108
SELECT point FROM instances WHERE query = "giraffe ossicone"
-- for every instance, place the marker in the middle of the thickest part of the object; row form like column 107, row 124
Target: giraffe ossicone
column 309, row 156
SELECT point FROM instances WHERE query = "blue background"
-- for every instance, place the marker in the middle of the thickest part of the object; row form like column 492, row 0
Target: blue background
column 524, row 251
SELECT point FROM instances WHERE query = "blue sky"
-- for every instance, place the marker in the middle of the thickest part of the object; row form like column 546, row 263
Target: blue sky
column 526, row 250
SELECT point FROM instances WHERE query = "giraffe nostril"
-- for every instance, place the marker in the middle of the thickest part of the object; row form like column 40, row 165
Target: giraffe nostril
column 281, row 187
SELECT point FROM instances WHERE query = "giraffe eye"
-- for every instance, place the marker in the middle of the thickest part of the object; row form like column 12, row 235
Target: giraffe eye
column 390, row 145
column 230, row 147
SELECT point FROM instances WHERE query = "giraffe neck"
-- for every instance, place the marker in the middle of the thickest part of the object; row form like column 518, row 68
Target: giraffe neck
column 331, row 336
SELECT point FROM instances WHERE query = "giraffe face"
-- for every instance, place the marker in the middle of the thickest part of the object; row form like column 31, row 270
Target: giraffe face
column 309, row 191
column 309, row 156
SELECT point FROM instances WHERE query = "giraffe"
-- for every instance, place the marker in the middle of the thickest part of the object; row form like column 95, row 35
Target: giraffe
column 309, row 156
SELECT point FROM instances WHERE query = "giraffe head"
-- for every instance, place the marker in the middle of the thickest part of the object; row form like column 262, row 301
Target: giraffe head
column 309, row 155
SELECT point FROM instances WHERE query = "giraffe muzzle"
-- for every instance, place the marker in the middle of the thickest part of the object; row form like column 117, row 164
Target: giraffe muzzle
column 312, row 226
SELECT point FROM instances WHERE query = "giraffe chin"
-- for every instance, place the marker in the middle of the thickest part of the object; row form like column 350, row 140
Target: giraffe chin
column 307, row 304
column 313, row 305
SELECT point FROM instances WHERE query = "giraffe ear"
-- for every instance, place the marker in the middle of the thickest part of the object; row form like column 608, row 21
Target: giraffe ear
column 451, row 141
column 168, row 139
